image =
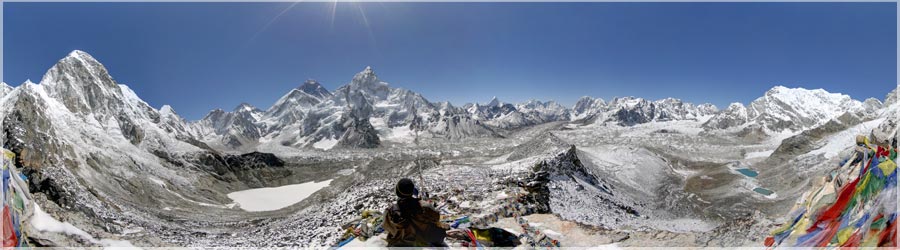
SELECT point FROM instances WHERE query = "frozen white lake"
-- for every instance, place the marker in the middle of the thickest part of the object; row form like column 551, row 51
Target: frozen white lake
column 274, row 198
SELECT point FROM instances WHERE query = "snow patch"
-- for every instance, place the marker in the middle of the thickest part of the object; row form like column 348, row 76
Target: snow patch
column 325, row 144
column 157, row 181
column 42, row 221
column 269, row 199
column 759, row 154
column 842, row 140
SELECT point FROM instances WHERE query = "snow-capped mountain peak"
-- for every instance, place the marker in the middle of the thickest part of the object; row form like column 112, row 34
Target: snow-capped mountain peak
column 494, row 102
column 245, row 107
column 788, row 109
column 587, row 106
column 78, row 67
column 248, row 112
column 367, row 83
column 83, row 85
column 166, row 110
column 315, row 89
column 734, row 115
column 5, row 89
column 367, row 76
column 801, row 108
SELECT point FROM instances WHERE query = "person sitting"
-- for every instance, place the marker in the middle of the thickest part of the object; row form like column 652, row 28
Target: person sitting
column 412, row 222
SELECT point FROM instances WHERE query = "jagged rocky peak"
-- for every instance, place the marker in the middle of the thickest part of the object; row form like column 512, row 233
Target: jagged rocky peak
column 783, row 108
column 214, row 114
column 587, row 105
column 358, row 131
column 872, row 104
column 493, row 109
column 626, row 101
column 245, row 107
column 235, row 129
column 566, row 164
column 366, row 76
column 368, row 84
column 5, row 89
column 535, row 104
column 671, row 101
column 789, row 109
column 168, row 112
column 583, row 103
column 494, row 102
column 736, row 106
column 707, row 109
column 312, row 87
column 890, row 98
column 82, row 84
column 78, row 68
column 166, row 109
column 359, row 134
column 307, row 95
column 734, row 115
column 246, row 115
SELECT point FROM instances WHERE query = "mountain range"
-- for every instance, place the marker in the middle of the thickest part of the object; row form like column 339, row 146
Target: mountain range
column 367, row 112
column 106, row 158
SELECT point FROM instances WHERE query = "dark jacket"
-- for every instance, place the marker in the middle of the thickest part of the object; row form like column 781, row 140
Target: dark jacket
column 421, row 228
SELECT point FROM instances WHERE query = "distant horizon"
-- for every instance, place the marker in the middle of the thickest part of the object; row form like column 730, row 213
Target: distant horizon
column 501, row 100
column 197, row 57
column 565, row 104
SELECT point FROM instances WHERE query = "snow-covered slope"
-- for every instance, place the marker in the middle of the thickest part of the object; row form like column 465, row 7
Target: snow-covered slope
column 293, row 105
column 87, row 142
column 355, row 115
column 238, row 129
column 734, row 115
column 508, row 116
column 628, row 111
column 784, row 109
column 4, row 89
column 587, row 107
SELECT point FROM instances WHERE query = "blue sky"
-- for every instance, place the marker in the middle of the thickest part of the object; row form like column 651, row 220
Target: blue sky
column 201, row 56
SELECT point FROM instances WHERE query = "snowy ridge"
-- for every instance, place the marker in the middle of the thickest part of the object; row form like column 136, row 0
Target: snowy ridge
column 789, row 109
column 310, row 113
column 629, row 111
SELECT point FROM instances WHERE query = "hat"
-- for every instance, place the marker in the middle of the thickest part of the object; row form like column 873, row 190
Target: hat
column 405, row 188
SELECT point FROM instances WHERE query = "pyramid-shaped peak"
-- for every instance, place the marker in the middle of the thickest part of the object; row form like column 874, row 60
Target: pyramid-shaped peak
column 167, row 109
column 244, row 107
column 368, row 71
column 366, row 76
column 79, row 53
column 78, row 56
column 494, row 102
column 312, row 87
column 310, row 84
column 78, row 68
